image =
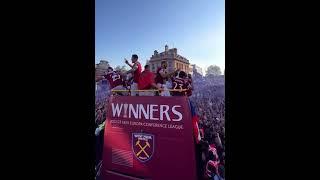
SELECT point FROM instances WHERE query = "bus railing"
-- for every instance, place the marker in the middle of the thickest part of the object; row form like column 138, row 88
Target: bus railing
column 150, row 90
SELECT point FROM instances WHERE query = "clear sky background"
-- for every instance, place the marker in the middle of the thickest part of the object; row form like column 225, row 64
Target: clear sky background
column 195, row 27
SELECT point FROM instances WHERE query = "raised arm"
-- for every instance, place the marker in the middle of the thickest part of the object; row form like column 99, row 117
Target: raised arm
column 166, row 75
column 127, row 62
column 134, row 67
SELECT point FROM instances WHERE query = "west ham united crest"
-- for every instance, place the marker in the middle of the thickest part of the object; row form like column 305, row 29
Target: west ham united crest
column 142, row 146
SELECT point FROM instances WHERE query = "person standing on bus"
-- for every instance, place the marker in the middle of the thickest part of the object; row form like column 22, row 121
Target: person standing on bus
column 162, row 77
column 115, row 80
column 180, row 84
column 146, row 82
column 136, row 71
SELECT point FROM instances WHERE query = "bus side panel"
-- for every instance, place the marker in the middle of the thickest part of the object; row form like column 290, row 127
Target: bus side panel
column 138, row 143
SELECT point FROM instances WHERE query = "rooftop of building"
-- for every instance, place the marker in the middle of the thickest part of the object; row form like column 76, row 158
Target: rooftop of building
column 173, row 52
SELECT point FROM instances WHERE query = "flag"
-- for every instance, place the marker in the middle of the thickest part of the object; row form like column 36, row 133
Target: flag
column 195, row 121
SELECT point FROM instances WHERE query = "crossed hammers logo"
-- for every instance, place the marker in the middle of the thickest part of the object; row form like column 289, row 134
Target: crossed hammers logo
column 142, row 148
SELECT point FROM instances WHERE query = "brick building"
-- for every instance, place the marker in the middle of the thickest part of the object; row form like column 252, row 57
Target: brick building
column 101, row 67
column 173, row 59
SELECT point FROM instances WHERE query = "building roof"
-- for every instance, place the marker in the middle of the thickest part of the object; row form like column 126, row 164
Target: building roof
column 168, row 53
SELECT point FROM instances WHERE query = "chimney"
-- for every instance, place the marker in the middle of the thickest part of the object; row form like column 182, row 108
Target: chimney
column 175, row 51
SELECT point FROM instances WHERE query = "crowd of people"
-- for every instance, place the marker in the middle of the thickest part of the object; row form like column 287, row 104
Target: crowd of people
column 205, row 93
column 209, row 102
column 101, row 99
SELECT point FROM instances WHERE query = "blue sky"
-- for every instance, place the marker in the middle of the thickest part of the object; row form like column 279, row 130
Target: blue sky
column 195, row 27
